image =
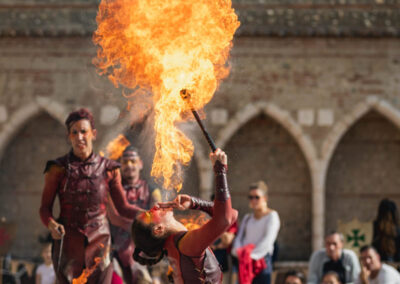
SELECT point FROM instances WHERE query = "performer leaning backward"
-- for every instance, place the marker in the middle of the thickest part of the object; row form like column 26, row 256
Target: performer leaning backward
column 82, row 180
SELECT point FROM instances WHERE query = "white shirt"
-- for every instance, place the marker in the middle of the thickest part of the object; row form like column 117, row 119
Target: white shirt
column 47, row 274
column 387, row 275
column 260, row 232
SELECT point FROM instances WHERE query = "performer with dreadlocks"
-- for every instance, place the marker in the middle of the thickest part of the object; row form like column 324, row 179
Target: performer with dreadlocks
column 82, row 181
column 156, row 232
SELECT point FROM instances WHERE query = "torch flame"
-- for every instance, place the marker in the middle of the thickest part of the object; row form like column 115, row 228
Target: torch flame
column 115, row 147
column 192, row 222
column 164, row 47
column 83, row 278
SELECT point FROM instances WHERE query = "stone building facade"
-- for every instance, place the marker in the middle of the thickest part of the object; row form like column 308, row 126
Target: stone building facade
column 312, row 106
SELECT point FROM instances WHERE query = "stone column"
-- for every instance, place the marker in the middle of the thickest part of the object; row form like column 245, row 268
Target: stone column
column 318, row 204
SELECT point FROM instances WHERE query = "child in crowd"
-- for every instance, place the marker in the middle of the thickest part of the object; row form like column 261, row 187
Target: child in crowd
column 45, row 272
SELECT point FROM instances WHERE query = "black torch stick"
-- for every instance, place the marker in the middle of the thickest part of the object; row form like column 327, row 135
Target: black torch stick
column 186, row 97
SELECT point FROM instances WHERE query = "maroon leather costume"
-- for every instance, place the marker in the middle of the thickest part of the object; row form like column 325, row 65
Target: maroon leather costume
column 139, row 195
column 189, row 253
column 82, row 188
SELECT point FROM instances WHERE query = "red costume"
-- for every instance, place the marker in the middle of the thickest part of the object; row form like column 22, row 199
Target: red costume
column 139, row 195
column 82, row 188
column 188, row 252
column 248, row 267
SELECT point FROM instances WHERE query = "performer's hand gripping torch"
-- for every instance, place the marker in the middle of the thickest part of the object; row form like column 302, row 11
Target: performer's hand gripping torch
column 186, row 97
column 61, row 250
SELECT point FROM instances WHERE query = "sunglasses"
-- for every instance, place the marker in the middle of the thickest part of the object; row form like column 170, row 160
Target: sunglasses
column 251, row 197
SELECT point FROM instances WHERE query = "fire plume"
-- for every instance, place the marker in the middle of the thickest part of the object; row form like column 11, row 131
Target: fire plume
column 192, row 222
column 163, row 47
column 83, row 278
column 115, row 147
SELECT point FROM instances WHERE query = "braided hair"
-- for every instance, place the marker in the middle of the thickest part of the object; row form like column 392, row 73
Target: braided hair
column 148, row 249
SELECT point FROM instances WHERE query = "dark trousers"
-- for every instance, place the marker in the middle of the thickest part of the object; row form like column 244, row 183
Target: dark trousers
column 264, row 277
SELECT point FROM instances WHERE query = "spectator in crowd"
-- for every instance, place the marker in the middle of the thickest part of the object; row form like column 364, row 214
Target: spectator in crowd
column 45, row 272
column 373, row 270
column 259, row 229
column 333, row 258
column 138, row 192
column 294, row 277
column 331, row 277
column 386, row 233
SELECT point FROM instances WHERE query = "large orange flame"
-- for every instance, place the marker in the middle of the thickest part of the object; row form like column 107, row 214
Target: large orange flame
column 162, row 47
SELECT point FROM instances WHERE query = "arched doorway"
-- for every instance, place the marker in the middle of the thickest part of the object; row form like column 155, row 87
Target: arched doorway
column 363, row 170
column 263, row 150
column 22, row 179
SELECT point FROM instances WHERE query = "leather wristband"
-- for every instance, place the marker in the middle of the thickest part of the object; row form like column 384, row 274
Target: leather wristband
column 221, row 183
column 203, row 205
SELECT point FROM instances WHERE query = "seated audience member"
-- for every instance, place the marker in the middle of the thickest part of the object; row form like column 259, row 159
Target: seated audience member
column 386, row 234
column 333, row 258
column 331, row 277
column 294, row 277
column 374, row 271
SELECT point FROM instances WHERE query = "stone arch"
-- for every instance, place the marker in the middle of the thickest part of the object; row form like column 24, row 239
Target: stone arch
column 340, row 128
column 327, row 149
column 290, row 134
column 26, row 112
column 363, row 165
column 281, row 116
column 305, row 143
column 38, row 139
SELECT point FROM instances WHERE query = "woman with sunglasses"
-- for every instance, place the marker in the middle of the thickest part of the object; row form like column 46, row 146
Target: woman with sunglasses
column 157, row 233
column 260, row 229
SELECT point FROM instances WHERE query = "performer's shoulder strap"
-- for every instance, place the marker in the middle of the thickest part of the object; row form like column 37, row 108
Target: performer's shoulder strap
column 61, row 162
column 111, row 164
column 178, row 237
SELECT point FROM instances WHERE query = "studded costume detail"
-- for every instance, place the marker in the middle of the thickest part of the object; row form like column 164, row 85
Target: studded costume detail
column 83, row 188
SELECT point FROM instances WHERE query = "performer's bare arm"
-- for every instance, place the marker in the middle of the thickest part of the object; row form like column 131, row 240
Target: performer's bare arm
column 118, row 197
column 52, row 180
column 195, row 242
column 115, row 218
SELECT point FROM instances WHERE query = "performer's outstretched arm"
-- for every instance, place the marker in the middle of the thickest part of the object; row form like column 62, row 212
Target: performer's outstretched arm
column 195, row 242
column 202, row 205
column 118, row 197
